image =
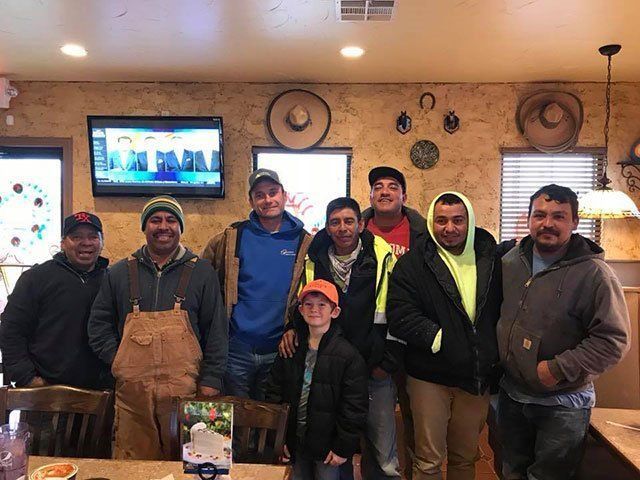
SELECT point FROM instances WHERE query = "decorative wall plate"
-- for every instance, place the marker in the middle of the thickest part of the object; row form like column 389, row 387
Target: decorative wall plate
column 424, row 154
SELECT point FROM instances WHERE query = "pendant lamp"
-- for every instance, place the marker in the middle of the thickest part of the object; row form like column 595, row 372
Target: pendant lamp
column 604, row 202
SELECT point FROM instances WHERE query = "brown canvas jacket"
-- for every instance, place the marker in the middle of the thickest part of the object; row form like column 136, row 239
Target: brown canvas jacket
column 221, row 252
column 572, row 314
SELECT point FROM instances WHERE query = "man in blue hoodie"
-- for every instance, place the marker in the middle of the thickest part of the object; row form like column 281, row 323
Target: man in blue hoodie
column 259, row 262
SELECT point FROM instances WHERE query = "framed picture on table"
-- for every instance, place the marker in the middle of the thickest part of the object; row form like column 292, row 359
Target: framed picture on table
column 205, row 431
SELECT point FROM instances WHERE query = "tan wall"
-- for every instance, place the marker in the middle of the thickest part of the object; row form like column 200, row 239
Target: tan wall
column 363, row 118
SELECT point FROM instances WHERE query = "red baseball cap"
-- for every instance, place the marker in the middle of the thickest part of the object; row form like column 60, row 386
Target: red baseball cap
column 320, row 286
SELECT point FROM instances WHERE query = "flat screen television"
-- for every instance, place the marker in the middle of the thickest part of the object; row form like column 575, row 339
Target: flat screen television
column 147, row 156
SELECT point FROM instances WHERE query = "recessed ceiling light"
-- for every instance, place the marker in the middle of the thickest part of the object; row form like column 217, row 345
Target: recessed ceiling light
column 73, row 50
column 352, row 52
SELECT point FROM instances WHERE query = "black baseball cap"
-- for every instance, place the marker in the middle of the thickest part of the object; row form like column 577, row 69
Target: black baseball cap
column 381, row 172
column 80, row 218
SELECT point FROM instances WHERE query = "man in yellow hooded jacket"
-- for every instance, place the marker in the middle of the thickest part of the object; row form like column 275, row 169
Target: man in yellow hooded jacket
column 444, row 301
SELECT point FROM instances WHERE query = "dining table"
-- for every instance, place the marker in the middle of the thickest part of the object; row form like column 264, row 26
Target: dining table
column 619, row 430
column 106, row 469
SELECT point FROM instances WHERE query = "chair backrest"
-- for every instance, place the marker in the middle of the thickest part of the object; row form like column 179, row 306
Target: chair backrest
column 63, row 420
column 259, row 429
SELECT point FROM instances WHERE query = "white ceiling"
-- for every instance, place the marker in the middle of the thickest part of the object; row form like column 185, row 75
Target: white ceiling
column 299, row 40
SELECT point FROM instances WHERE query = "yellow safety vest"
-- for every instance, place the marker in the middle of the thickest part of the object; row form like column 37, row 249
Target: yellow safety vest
column 385, row 260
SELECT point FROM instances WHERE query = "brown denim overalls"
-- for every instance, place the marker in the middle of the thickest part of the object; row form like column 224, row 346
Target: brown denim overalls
column 158, row 358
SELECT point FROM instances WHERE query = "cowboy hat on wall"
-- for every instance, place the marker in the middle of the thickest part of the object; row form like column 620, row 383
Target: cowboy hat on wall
column 298, row 119
column 550, row 120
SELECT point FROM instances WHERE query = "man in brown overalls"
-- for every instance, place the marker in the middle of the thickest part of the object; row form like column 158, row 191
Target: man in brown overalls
column 159, row 321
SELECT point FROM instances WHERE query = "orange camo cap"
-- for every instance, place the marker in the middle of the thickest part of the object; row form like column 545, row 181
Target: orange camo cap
column 321, row 286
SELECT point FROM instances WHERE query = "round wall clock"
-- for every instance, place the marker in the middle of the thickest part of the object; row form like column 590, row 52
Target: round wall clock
column 424, row 154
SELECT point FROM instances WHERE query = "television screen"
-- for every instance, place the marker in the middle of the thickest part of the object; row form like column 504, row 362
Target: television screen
column 179, row 156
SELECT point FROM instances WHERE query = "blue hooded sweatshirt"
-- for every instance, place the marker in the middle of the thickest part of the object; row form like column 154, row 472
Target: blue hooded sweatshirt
column 266, row 267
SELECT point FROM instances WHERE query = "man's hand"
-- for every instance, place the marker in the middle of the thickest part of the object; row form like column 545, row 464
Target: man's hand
column 288, row 344
column 545, row 376
column 379, row 373
column 37, row 382
column 209, row 391
column 334, row 460
column 286, row 456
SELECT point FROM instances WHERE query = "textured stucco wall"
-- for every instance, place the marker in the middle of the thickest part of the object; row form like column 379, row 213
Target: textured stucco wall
column 363, row 118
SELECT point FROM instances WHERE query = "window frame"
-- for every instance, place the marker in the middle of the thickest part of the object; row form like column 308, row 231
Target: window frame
column 597, row 152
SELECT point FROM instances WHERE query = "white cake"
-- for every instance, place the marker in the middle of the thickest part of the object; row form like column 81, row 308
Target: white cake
column 205, row 441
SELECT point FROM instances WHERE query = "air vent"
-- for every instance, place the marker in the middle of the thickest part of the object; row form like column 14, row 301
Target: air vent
column 365, row 10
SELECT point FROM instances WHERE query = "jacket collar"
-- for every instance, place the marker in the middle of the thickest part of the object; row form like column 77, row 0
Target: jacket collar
column 321, row 242
column 101, row 264
column 579, row 250
column 417, row 223
column 303, row 332
column 485, row 248
column 183, row 256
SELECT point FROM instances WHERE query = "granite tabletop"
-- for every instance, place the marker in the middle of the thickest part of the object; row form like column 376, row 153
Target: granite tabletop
column 100, row 469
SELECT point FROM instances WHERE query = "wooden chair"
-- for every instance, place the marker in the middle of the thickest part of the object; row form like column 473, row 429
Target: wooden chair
column 266, row 423
column 63, row 420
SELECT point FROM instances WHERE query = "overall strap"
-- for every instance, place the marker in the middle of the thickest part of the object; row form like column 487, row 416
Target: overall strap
column 134, row 284
column 183, row 283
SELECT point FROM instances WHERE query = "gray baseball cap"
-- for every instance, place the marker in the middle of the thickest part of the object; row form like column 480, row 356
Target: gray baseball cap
column 263, row 174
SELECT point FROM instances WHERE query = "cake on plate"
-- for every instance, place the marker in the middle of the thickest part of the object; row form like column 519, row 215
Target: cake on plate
column 205, row 441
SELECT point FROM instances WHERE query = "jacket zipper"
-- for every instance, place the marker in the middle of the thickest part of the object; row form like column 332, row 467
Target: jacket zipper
column 523, row 297
column 82, row 279
column 473, row 327
column 478, row 313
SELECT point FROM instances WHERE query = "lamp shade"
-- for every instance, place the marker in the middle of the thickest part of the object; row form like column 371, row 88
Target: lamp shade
column 607, row 203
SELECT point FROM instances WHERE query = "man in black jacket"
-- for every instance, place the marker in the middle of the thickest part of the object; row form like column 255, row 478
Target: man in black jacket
column 401, row 227
column 358, row 263
column 444, row 301
column 159, row 322
column 43, row 333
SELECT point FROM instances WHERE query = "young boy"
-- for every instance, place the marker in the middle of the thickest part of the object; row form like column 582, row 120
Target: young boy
column 325, row 382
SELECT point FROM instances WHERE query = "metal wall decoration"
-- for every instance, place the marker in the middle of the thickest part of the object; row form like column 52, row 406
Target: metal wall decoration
column 451, row 122
column 431, row 96
column 403, row 123
column 424, row 154
column 631, row 167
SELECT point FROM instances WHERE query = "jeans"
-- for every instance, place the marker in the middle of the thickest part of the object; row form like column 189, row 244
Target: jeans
column 306, row 469
column 247, row 371
column 541, row 442
column 380, row 455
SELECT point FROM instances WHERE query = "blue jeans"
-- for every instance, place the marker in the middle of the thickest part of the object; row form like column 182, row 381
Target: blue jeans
column 540, row 442
column 380, row 455
column 306, row 469
column 247, row 371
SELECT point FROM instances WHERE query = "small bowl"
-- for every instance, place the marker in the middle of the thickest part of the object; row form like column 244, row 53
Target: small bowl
column 58, row 471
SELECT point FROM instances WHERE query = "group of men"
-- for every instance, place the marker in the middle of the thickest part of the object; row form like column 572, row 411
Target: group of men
column 151, row 159
column 440, row 314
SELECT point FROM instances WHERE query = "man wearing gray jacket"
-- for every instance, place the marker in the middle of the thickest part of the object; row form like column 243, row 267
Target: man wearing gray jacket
column 159, row 323
column 563, row 322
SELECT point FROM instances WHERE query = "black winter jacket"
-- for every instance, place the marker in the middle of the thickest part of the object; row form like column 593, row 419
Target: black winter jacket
column 423, row 297
column 338, row 397
column 358, row 304
column 44, row 326
column 203, row 303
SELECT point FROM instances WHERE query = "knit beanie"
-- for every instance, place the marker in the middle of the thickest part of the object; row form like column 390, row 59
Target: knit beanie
column 163, row 203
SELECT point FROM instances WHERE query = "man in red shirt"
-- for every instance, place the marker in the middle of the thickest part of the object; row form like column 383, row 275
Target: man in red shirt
column 400, row 226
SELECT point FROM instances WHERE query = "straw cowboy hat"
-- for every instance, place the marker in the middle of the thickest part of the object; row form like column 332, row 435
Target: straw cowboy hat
column 550, row 120
column 298, row 119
